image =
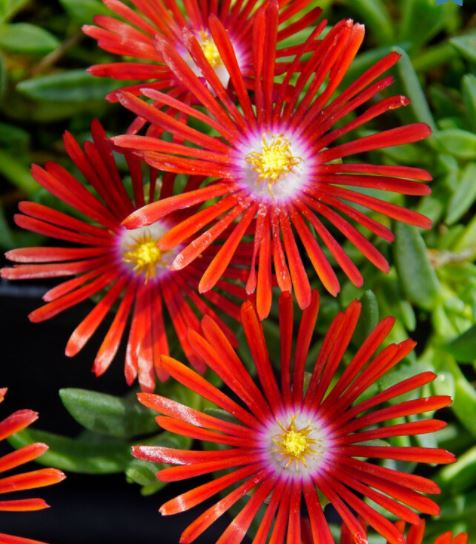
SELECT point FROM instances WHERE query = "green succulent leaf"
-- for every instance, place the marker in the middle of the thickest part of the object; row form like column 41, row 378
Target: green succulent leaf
column 83, row 11
column 27, row 39
column 461, row 506
column 107, row 414
column 17, row 173
column 369, row 316
column 414, row 12
column 417, row 277
column 85, row 454
column 375, row 15
column 464, row 401
column 469, row 97
column 413, row 89
column 461, row 475
column 459, row 143
column 464, row 196
column 71, row 87
column 463, row 348
column 8, row 8
column 466, row 45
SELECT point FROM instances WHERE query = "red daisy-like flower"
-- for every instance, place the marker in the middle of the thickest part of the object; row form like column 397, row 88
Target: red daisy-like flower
column 288, row 443
column 271, row 167
column 35, row 479
column 137, row 32
column 415, row 535
column 123, row 267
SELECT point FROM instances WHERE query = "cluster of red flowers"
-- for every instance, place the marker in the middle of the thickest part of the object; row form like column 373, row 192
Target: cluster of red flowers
column 237, row 179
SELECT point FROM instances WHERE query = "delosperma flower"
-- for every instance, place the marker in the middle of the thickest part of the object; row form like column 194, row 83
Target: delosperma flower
column 124, row 268
column 136, row 33
column 414, row 535
column 273, row 166
column 284, row 443
column 35, row 479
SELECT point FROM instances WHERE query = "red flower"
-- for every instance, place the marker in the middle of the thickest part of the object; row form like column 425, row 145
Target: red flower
column 35, row 479
column 137, row 34
column 275, row 173
column 124, row 266
column 415, row 535
column 288, row 442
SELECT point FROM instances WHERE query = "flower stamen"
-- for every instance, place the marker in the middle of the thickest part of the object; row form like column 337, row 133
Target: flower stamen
column 275, row 159
column 144, row 256
column 209, row 48
column 294, row 445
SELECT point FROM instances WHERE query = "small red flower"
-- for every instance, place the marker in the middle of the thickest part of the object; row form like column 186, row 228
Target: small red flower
column 123, row 267
column 273, row 167
column 415, row 535
column 287, row 443
column 136, row 33
column 35, row 479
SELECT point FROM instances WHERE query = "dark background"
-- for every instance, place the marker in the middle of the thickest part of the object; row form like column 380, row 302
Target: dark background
column 85, row 509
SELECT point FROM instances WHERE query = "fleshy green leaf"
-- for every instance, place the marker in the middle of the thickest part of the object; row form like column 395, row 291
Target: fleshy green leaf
column 27, row 39
column 464, row 402
column 413, row 89
column 464, row 196
column 108, row 415
column 461, row 475
column 144, row 473
column 458, row 507
column 375, row 15
column 3, row 78
column 83, row 11
column 460, row 143
column 17, row 173
column 82, row 455
column 421, row 20
column 72, row 86
column 416, row 274
column 468, row 238
column 8, row 8
column 463, row 348
column 6, row 237
column 466, row 45
column 369, row 316
column 469, row 97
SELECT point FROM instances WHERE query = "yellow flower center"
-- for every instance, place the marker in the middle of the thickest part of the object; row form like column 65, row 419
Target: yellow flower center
column 276, row 159
column 210, row 50
column 144, row 256
column 293, row 444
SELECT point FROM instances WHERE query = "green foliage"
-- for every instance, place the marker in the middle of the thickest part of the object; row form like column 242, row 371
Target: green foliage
column 466, row 45
column 108, row 415
column 463, row 348
column 86, row 454
column 83, row 11
column 72, row 87
column 417, row 276
column 26, row 38
column 431, row 286
column 8, row 8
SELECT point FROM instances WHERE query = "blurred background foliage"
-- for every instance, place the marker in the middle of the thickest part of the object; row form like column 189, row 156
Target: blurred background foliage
column 431, row 288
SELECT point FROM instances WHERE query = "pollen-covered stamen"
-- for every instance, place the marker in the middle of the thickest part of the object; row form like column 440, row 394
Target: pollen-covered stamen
column 139, row 250
column 209, row 48
column 294, row 444
column 144, row 257
column 274, row 160
column 297, row 444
